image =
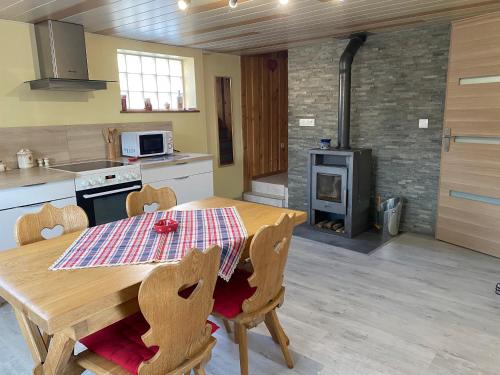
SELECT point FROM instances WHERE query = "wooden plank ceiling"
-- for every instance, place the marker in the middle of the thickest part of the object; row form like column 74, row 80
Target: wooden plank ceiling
column 255, row 26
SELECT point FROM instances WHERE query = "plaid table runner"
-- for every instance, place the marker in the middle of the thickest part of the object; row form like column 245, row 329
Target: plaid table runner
column 134, row 240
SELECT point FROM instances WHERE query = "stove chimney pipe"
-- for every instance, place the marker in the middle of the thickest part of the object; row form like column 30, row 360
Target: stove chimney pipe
column 344, row 125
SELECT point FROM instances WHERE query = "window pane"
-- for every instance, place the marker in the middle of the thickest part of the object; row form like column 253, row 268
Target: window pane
column 122, row 67
column 175, row 68
column 134, row 82
column 153, row 97
column 136, row 100
column 176, row 84
column 133, row 64
column 162, row 67
column 123, row 82
column 148, row 65
column 156, row 78
column 165, row 101
column 149, row 82
column 163, row 84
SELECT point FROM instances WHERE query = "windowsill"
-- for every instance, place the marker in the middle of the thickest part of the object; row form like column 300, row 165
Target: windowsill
column 161, row 111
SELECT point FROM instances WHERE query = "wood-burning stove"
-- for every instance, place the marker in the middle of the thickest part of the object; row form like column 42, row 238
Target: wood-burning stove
column 339, row 179
column 339, row 189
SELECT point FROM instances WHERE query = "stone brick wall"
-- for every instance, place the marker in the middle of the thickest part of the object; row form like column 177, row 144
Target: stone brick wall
column 398, row 78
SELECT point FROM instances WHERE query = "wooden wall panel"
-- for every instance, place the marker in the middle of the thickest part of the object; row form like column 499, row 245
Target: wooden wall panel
column 265, row 114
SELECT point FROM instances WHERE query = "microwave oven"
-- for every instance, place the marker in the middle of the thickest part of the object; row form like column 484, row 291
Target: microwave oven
column 148, row 143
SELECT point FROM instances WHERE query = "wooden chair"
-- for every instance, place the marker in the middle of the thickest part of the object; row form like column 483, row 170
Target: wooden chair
column 164, row 197
column 250, row 298
column 172, row 335
column 29, row 227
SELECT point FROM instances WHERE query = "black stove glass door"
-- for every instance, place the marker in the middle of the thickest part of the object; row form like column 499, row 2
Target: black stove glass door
column 329, row 187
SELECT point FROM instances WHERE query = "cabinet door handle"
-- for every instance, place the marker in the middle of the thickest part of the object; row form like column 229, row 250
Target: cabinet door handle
column 182, row 178
column 31, row 185
column 181, row 162
column 104, row 193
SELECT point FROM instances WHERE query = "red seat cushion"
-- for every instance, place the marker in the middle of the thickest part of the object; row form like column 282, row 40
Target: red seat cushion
column 229, row 296
column 121, row 342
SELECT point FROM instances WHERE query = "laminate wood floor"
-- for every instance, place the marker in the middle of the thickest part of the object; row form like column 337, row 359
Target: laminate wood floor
column 415, row 306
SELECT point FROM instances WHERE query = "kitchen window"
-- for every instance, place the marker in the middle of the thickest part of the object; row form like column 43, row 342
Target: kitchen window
column 158, row 78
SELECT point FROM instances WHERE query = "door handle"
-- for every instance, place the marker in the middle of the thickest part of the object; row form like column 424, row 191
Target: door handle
column 182, row 178
column 447, row 138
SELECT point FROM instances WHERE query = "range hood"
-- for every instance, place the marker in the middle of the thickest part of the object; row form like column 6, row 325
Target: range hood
column 62, row 56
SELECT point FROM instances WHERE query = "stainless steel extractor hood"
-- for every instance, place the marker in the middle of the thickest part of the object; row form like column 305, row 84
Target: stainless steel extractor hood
column 62, row 56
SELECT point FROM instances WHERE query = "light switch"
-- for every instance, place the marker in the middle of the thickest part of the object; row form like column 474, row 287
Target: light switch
column 306, row 122
column 423, row 123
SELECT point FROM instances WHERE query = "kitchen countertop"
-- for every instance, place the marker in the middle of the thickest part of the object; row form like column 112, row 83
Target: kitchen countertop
column 32, row 176
column 175, row 159
column 39, row 175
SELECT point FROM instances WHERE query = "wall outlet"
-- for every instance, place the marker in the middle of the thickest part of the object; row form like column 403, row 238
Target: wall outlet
column 423, row 123
column 306, row 122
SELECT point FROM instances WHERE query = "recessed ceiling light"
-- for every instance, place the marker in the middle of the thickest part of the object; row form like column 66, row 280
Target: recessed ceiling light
column 283, row 2
column 233, row 3
column 183, row 4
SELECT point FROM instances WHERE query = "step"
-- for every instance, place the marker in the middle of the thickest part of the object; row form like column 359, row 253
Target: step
column 263, row 187
column 267, row 199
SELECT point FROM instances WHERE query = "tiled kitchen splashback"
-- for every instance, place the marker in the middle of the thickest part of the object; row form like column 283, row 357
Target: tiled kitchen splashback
column 65, row 143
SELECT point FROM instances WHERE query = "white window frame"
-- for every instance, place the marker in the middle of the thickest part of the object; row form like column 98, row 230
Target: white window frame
column 173, row 95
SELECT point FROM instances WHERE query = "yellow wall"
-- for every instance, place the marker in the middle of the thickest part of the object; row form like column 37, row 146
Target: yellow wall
column 228, row 179
column 19, row 106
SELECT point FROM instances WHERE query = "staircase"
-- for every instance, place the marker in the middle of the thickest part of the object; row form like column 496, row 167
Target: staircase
column 271, row 190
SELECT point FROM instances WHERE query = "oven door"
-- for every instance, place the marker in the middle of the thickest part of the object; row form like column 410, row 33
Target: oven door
column 106, row 204
column 152, row 144
column 329, row 189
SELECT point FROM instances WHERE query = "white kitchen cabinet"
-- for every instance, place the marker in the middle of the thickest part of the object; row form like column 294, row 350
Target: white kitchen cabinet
column 190, row 181
column 8, row 220
column 19, row 201
column 189, row 188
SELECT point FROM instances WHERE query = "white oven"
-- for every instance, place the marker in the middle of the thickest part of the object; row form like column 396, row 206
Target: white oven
column 148, row 143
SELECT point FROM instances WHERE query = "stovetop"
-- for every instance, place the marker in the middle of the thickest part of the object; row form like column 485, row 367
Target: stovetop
column 101, row 173
column 89, row 166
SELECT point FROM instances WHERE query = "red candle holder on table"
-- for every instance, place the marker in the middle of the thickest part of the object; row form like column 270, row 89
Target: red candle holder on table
column 166, row 226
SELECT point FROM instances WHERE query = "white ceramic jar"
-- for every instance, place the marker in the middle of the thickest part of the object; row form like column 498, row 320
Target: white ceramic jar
column 25, row 159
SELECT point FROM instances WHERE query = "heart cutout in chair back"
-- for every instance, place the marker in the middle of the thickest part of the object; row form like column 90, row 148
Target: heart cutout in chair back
column 187, row 291
column 54, row 232
column 150, row 208
column 278, row 245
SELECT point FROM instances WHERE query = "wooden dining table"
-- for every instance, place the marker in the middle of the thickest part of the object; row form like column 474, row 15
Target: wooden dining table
column 69, row 305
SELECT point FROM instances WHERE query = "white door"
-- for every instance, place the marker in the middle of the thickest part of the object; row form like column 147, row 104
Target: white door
column 189, row 188
column 9, row 217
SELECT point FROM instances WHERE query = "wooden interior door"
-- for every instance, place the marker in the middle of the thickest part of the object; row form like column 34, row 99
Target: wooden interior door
column 265, row 114
column 469, row 196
